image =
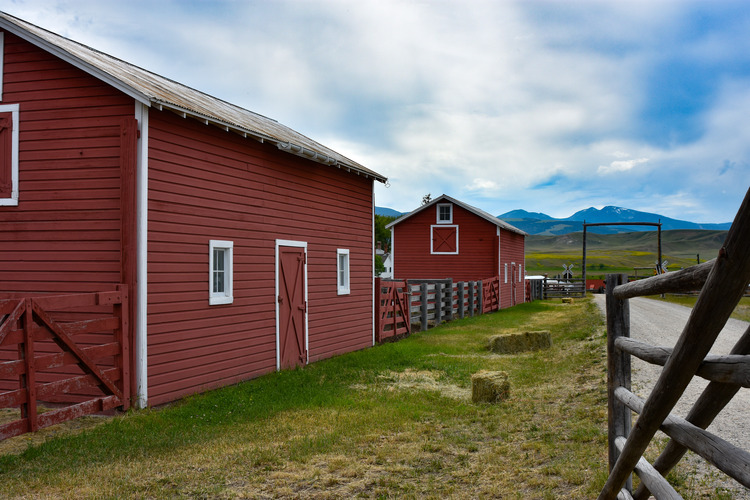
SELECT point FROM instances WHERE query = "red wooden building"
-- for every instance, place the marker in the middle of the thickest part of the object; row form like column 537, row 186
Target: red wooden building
column 447, row 238
column 246, row 246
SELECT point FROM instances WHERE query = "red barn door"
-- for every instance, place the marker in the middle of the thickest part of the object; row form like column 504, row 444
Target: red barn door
column 292, row 306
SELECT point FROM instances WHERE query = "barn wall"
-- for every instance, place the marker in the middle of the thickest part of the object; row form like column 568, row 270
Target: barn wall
column 205, row 183
column 64, row 236
column 477, row 248
column 512, row 252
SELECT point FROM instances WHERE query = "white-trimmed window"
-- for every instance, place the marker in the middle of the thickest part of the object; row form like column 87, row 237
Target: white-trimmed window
column 444, row 213
column 9, row 154
column 520, row 273
column 220, row 267
column 342, row 271
column 506, row 272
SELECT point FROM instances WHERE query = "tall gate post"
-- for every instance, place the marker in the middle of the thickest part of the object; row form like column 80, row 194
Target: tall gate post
column 480, row 296
column 378, row 291
column 423, row 298
column 618, row 369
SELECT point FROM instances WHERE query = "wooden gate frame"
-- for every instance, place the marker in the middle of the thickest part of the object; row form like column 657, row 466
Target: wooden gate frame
column 491, row 294
column 26, row 320
column 724, row 280
column 392, row 308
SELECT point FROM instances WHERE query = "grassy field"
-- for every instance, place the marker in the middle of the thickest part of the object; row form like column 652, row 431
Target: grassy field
column 620, row 253
column 392, row 421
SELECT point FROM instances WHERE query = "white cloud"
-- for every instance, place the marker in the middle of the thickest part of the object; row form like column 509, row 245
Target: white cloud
column 621, row 166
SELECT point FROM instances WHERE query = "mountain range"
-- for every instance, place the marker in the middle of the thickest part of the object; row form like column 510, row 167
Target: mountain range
column 543, row 224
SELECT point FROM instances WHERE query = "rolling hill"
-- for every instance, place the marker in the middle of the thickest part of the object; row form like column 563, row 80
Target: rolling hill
column 606, row 253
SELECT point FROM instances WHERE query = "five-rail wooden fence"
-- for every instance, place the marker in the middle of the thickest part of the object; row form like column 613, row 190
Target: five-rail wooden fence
column 401, row 304
column 67, row 352
column 723, row 282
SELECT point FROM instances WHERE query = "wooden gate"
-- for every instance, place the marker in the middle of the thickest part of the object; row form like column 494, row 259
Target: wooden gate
column 292, row 308
column 392, row 311
column 491, row 294
column 70, row 350
column 723, row 282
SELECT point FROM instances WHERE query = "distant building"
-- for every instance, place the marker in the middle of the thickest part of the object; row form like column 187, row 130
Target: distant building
column 447, row 238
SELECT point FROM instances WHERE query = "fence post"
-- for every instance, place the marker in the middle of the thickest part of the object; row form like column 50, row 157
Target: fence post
column 460, row 294
column 471, row 299
column 423, row 298
column 450, row 302
column 618, row 369
column 438, row 303
column 480, row 296
column 378, row 291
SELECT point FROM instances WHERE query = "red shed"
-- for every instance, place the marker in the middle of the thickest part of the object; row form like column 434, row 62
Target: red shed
column 246, row 246
column 447, row 238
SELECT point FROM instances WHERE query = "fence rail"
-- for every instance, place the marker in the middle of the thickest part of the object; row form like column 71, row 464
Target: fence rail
column 70, row 350
column 555, row 289
column 723, row 282
column 430, row 302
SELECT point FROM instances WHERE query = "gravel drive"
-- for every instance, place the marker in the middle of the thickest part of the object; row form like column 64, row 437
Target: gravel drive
column 661, row 323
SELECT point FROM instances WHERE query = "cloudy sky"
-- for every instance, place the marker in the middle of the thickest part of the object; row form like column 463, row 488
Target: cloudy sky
column 543, row 105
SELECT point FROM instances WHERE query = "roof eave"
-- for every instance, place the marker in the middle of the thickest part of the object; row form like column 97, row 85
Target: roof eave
column 72, row 59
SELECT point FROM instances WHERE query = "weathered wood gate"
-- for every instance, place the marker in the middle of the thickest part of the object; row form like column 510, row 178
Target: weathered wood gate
column 392, row 316
column 70, row 350
column 724, row 281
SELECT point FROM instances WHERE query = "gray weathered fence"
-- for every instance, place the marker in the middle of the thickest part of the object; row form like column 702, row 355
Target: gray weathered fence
column 572, row 287
column 723, row 281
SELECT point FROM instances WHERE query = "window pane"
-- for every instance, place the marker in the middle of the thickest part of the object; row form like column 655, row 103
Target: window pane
column 218, row 281
column 218, row 259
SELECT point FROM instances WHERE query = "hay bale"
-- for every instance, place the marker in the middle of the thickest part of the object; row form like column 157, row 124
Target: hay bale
column 489, row 387
column 520, row 342
column 567, row 300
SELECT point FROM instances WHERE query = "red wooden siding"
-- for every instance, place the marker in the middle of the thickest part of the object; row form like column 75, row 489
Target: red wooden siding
column 477, row 247
column 205, row 183
column 511, row 253
column 64, row 236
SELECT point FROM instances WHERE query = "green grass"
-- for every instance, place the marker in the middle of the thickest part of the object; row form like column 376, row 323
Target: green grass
column 395, row 420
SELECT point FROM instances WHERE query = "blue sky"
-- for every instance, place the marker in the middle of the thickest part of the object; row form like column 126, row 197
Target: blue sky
column 547, row 106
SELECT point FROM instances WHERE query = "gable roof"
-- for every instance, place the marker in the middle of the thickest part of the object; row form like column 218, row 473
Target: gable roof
column 162, row 93
column 476, row 211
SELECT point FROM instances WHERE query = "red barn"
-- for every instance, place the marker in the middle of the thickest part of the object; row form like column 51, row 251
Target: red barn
column 246, row 246
column 447, row 238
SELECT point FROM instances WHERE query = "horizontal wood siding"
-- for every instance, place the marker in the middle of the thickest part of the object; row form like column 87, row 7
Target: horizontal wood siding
column 477, row 248
column 205, row 183
column 64, row 236
column 511, row 252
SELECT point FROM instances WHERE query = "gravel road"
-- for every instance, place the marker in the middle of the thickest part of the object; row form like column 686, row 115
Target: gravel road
column 661, row 323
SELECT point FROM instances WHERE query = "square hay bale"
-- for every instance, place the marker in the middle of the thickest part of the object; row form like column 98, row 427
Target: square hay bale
column 520, row 342
column 489, row 387
column 567, row 300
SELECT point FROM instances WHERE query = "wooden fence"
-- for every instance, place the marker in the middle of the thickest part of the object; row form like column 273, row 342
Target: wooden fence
column 68, row 350
column 572, row 287
column 430, row 302
column 723, row 282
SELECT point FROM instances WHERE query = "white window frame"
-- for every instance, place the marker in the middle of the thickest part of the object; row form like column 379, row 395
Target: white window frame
column 506, row 272
column 13, row 200
column 2, row 62
column 343, row 276
column 227, row 295
column 520, row 273
column 450, row 212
